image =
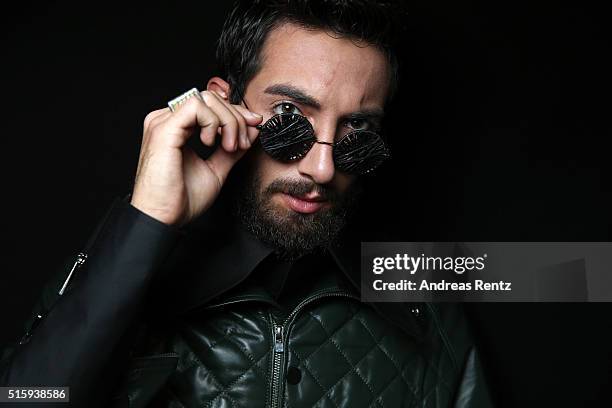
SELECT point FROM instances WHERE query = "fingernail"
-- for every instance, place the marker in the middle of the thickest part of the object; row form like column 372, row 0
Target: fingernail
column 256, row 115
column 223, row 94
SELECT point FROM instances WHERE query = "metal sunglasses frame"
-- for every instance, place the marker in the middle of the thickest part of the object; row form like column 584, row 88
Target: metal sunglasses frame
column 274, row 140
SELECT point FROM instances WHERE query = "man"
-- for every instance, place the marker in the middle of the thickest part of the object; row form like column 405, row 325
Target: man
column 211, row 289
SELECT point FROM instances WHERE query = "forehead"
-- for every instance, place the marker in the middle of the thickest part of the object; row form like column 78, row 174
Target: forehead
column 337, row 71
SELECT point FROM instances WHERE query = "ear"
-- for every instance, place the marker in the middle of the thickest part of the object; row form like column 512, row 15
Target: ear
column 220, row 86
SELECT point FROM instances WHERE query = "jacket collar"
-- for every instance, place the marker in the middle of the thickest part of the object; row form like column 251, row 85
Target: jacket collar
column 213, row 256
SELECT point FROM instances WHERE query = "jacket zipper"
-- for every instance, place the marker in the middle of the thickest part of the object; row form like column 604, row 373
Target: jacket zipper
column 279, row 335
column 80, row 260
column 277, row 362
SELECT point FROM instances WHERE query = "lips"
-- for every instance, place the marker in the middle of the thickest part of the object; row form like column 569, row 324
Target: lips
column 305, row 204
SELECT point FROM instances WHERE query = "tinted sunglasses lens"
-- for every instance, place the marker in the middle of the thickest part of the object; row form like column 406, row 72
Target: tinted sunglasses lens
column 360, row 152
column 287, row 136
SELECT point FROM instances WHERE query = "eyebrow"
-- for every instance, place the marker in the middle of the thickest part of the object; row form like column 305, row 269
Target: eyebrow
column 368, row 114
column 294, row 93
column 302, row 97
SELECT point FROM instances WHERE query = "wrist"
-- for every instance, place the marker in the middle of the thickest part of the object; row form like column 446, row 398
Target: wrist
column 162, row 216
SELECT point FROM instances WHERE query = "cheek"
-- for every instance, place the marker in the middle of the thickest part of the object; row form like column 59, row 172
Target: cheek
column 269, row 169
column 343, row 182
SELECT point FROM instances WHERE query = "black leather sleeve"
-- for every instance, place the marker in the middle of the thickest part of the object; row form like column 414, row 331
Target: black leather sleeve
column 75, row 338
column 471, row 388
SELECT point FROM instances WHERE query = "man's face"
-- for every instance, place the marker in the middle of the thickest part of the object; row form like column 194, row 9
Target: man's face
column 340, row 86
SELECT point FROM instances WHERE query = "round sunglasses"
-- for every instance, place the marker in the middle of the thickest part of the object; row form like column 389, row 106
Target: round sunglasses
column 290, row 136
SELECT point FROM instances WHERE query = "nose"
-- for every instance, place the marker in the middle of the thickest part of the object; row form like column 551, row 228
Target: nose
column 318, row 164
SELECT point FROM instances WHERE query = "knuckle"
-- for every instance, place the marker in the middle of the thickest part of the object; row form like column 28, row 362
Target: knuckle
column 214, row 121
column 192, row 103
column 148, row 120
column 207, row 96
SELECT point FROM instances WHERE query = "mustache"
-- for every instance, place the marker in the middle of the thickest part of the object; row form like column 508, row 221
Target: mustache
column 302, row 187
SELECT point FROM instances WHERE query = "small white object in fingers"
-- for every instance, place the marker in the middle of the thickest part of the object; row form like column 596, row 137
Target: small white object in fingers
column 181, row 99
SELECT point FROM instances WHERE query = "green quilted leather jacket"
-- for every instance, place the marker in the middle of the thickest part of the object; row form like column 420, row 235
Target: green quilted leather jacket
column 238, row 347
column 325, row 348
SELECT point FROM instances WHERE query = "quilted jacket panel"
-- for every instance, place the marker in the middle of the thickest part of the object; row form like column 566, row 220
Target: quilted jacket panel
column 350, row 357
column 345, row 353
column 223, row 360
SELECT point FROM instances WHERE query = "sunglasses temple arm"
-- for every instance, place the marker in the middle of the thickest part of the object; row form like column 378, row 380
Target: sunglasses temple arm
column 245, row 104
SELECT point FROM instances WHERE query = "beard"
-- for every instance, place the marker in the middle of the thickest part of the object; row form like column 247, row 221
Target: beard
column 290, row 233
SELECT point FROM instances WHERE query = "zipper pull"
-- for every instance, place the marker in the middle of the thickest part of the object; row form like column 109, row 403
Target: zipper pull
column 81, row 258
column 278, row 339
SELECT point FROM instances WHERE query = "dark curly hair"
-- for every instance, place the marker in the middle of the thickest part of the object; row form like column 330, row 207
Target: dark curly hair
column 248, row 24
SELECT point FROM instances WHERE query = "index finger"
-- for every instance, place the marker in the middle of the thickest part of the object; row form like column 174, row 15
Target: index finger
column 253, row 121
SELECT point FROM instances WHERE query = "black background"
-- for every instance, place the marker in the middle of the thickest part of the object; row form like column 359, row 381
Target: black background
column 499, row 134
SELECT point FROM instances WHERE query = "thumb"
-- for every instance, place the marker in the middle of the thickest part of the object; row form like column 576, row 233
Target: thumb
column 222, row 161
